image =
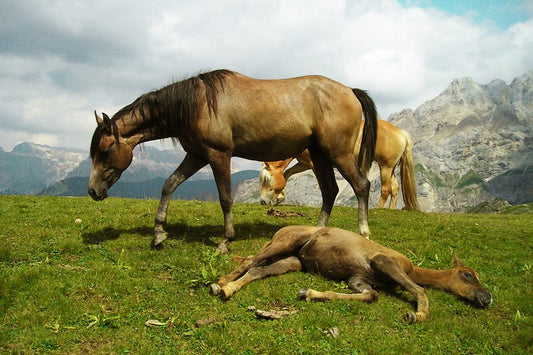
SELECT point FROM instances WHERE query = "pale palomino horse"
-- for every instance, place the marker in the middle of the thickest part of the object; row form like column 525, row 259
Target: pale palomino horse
column 365, row 265
column 220, row 114
column 393, row 147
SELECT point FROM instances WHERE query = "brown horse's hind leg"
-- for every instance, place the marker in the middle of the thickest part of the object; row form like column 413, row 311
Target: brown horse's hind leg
column 361, row 187
column 186, row 169
column 326, row 181
column 279, row 267
column 390, row 267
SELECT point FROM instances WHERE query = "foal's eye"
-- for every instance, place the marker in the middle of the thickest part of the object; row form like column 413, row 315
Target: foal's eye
column 468, row 274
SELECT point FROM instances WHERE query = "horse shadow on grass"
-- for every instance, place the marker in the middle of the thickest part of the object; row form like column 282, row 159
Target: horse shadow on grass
column 210, row 235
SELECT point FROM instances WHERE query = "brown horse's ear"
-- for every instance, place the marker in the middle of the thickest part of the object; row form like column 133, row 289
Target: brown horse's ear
column 98, row 118
column 457, row 262
column 107, row 121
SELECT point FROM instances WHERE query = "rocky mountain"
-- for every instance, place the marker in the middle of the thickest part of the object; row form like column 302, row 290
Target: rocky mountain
column 29, row 167
column 472, row 143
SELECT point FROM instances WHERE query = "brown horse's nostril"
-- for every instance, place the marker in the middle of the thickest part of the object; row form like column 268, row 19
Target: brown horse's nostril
column 92, row 193
column 263, row 202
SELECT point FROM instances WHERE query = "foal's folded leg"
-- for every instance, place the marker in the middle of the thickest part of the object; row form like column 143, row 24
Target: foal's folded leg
column 279, row 267
column 365, row 296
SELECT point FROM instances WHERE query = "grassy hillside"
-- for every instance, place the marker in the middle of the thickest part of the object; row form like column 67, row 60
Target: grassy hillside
column 77, row 276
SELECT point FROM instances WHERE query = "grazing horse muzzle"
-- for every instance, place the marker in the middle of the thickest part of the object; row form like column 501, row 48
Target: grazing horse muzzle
column 100, row 182
column 97, row 196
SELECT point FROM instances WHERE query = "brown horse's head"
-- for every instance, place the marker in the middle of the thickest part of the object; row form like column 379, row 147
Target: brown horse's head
column 110, row 157
column 272, row 183
column 464, row 282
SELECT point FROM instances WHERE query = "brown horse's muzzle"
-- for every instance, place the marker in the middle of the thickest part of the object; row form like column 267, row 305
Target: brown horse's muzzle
column 99, row 183
column 97, row 196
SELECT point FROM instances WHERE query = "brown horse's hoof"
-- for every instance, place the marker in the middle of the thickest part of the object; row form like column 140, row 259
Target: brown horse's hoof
column 215, row 289
column 410, row 317
column 159, row 237
column 223, row 247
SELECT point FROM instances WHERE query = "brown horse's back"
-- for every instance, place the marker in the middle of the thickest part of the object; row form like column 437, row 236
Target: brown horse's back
column 272, row 119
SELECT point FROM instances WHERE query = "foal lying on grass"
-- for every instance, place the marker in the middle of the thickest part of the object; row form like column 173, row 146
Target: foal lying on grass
column 342, row 255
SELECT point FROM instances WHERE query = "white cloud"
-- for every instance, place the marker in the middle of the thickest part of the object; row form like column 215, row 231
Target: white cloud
column 104, row 54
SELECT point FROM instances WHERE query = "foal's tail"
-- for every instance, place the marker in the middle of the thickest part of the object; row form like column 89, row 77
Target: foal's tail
column 407, row 173
column 368, row 141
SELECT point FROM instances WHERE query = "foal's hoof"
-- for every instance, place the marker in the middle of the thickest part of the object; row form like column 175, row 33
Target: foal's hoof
column 410, row 317
column 215, row 289
column 303, row 293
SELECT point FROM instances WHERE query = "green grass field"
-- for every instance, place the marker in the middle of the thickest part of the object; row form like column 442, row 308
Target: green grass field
column 90, row 286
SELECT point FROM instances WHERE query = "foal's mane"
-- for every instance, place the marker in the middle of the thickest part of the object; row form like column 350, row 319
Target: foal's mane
column 171, row 109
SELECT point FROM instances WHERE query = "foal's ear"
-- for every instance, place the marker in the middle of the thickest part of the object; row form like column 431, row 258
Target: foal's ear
column 457, row 262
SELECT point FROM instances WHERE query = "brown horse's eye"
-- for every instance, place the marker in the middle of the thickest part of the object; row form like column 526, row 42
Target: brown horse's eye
column 104, row 155
column 468, row 274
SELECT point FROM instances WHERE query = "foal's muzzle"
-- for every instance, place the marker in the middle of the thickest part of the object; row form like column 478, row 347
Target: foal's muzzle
column 484, row 299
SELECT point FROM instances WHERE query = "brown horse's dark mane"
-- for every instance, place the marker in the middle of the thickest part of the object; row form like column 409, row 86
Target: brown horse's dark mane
column 169, row 111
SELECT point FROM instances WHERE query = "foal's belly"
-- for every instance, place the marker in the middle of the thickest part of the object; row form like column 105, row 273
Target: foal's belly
column 334, row 257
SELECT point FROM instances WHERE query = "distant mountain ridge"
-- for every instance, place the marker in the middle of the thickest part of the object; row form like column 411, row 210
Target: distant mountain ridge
column 30, row 167
column 201, row 190
column 34, row 169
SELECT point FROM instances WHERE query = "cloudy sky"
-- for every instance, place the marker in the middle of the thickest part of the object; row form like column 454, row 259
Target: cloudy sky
column 61, row 60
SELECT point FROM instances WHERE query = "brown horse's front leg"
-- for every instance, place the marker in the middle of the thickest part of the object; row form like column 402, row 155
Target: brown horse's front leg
column 326, row 181
column 186, row 169
column 220, row 164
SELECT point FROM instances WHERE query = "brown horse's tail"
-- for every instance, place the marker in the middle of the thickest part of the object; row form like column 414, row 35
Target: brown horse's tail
column 368, row 142
column 407, row 173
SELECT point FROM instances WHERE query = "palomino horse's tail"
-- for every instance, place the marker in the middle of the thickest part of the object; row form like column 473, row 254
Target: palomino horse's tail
column 407, row 173
column 368, row 141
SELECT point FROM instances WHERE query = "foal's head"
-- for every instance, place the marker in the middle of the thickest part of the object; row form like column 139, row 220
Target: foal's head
column 272, row 182
column 110, row 158
column 464, row 282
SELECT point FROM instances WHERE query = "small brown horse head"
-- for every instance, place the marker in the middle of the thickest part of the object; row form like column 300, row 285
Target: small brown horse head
column 272, row 182
column 464, row 282
column 110, row 158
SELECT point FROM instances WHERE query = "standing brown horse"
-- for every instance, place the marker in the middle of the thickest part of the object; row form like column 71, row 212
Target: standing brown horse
column 393, row 147
column 221, row 114
column 341, row 255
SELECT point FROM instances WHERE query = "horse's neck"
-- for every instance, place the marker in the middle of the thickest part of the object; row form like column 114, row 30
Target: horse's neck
column 135, row 131
column 431, row 278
